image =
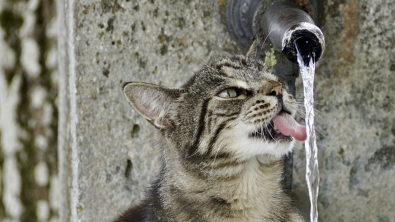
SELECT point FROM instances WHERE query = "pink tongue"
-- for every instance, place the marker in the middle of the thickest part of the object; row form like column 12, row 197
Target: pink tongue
column 288, row 126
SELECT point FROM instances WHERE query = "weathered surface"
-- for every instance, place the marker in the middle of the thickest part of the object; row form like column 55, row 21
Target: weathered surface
column 28, row 111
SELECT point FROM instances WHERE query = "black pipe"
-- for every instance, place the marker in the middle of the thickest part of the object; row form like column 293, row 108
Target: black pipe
column 285, row 25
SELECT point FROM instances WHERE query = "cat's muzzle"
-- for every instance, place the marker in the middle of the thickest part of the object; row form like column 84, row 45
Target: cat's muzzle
column 269, row 133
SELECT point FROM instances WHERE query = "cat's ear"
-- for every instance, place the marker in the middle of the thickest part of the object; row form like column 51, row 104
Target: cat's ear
column 152, row 102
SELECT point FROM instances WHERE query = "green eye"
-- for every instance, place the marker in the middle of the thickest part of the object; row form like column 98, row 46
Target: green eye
column 228, row 93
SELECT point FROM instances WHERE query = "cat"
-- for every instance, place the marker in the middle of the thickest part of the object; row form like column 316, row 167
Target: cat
column 224, row 134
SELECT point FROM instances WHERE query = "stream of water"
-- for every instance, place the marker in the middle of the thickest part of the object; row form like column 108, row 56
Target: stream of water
column 312, row 174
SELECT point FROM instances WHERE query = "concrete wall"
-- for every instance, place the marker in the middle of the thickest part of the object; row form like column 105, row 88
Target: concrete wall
column 107, row 152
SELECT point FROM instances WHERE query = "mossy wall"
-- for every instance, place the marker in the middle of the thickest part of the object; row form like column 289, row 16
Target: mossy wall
column 28, row 111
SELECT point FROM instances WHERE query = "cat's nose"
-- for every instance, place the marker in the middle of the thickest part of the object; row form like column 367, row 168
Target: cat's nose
column 275, row 91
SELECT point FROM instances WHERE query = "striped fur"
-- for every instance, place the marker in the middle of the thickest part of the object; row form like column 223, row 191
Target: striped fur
column 220, row 162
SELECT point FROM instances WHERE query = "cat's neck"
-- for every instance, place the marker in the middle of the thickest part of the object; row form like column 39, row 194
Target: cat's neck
column 253, row 190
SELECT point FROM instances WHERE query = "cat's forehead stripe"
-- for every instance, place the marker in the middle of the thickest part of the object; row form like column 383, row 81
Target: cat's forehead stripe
column 241, row 84
column 270, row 76
column 236, row 74
column 229, row 71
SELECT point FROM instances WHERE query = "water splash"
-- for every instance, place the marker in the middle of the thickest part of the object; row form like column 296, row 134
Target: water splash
column 307, row 71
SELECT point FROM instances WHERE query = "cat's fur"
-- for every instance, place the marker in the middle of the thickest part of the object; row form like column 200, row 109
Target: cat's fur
column 220, row 162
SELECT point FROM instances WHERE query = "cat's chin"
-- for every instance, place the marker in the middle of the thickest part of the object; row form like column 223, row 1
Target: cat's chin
column 279, row 146
column 248, row 146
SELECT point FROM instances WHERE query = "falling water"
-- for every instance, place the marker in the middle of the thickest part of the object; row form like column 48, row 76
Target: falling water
column 307, row 71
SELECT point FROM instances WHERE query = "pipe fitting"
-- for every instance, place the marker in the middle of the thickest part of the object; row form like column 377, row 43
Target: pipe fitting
column 278, row 24
column 309, row 40
column 286, row 25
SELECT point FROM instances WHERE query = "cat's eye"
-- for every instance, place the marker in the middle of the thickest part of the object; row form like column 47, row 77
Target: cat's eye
column 230, row 93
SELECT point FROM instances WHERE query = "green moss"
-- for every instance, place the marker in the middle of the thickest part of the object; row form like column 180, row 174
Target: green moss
column 155, row 13
column 222, row 11
column 129, row 168
column 27, row 158
column 142, row 63
column 30, row 155
column 181, row 22
column 86, row 10
column 384, row 157
column 163, row 49
column 111, row 6
column 270, row 58
column 106, row 72
column 135, row 130
column 29, row 192
column 143, row 26
column 110, row 24
column 10, row 21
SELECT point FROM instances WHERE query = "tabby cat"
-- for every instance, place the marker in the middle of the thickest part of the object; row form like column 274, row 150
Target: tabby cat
column 224, row 135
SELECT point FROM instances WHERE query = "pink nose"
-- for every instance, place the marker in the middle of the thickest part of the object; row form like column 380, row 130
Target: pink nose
column 276, row 91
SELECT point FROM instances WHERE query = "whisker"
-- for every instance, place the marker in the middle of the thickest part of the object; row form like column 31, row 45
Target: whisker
column 269, row 131
column 320, row 132
column 203, row 63
column 262, row 130
column 212, row 166
column 187, row 157
column 267, row 37
column 319, row 116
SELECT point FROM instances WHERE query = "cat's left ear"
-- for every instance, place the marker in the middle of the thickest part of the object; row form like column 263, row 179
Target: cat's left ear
column 153, row 102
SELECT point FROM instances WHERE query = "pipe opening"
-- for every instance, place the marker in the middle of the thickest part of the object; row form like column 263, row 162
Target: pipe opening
column 308, row 43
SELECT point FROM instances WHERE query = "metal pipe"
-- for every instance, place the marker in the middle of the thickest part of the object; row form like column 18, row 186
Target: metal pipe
column 286, row 25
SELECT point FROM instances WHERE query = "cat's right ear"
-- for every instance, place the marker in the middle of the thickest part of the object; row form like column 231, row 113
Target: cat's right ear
column 153, row 102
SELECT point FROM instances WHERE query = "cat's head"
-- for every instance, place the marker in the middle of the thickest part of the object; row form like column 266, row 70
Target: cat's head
column 227, row 108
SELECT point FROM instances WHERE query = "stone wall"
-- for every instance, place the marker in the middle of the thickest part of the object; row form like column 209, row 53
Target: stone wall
column 106, row 152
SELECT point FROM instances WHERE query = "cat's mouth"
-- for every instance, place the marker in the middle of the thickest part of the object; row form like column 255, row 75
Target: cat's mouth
column 270, row 133
column 282, row 127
